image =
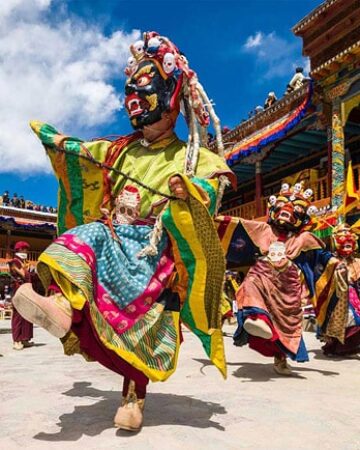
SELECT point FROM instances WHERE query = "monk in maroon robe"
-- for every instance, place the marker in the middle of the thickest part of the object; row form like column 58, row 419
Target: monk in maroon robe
column 22, row 330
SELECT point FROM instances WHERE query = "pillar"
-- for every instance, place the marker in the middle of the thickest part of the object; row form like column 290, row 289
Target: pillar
column 338, row 158
column 329, row 163
column 8, row 244
column 258, row 189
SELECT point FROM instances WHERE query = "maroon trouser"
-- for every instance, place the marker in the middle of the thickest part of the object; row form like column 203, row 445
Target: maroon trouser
column 92, row 346
column 22, row 330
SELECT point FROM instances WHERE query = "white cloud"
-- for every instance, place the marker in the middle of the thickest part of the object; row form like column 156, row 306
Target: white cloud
column 254, row 41
column 275, row 56
column 56, row 72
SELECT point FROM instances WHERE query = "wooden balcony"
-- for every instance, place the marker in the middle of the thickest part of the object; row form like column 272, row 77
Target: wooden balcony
column 33, row 257
column 321, row 198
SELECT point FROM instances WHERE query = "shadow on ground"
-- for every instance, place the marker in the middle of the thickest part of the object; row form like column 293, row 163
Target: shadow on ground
column 318, row 354
column 5, row 331
column 160, row 409
column 253, row 372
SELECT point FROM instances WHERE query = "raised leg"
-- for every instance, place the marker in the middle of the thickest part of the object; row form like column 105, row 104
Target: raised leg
column 257, row 327
column 52, row 313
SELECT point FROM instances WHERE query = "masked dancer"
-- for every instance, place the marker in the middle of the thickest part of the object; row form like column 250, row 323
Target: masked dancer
column 138, row 249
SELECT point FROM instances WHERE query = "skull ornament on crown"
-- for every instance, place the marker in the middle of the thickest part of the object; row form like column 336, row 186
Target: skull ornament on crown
column 290, row 210
column 344, row 240
column 127, row 206
column 159, row 79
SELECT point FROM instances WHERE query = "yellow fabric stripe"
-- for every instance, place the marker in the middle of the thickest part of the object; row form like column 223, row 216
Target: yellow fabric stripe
column 72, row 293
column 93, row 182
column 131, row 358
column 326, row 277
column 217, row 354
column 226, row 239
column 183, row 219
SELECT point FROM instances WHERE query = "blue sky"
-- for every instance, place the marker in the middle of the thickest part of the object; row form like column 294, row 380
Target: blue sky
column 241, row 50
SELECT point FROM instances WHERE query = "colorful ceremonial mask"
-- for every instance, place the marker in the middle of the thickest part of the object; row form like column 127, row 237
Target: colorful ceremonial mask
column 345, row 241
column 290, row 209
column 159, row 76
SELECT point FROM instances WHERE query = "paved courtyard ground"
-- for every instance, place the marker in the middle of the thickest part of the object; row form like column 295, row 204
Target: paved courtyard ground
column 50, row 401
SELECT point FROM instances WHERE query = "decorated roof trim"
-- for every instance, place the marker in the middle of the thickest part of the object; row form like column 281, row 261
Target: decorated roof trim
column 271, row 133
column 313, row 15
column 336, row 58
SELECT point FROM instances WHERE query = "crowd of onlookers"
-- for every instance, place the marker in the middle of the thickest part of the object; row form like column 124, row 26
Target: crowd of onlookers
column 19, row 202
column 296, row 82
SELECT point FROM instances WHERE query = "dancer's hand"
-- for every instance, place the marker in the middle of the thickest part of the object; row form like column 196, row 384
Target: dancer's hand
column 178, row 188
column 341, row 269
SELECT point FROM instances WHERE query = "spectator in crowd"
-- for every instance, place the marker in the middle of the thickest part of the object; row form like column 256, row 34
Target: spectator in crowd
column 296, row 81
column 270, row 100
column 22, row 330
column 15, row 201
column 6, row 198
column 225, row 130
column 22, row 202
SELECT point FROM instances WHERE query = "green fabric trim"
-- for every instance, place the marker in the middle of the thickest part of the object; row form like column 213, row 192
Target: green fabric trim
column 47, row 133
column 63, row 203
column 189, row 262
column 209, row 190
column 322, row 234
column 74, row 174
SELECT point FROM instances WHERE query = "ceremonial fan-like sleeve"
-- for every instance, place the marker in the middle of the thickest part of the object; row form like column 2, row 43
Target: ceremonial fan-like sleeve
column 81, row 183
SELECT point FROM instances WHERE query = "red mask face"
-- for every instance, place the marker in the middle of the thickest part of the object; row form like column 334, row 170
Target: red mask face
column 345, row 242
column 289, row 215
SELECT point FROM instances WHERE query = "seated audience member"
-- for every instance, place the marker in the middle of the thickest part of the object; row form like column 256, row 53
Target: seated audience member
column 270, row 100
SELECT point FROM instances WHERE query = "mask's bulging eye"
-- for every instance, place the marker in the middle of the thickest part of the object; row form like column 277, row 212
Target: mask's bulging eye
column 144, row 80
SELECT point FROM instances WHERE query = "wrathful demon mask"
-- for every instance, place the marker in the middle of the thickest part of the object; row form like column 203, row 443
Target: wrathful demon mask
column 290, row 210
column 148, row 94
column 344, row 240
column 159, row 79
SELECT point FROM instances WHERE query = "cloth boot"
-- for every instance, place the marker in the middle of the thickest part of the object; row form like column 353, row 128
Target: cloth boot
column 52, row 313
column 130, row 414
column 18, row 346
column 257, row 327
column 281, row 366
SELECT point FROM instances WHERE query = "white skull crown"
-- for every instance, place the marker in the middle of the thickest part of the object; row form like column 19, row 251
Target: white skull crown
column 169, row 63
